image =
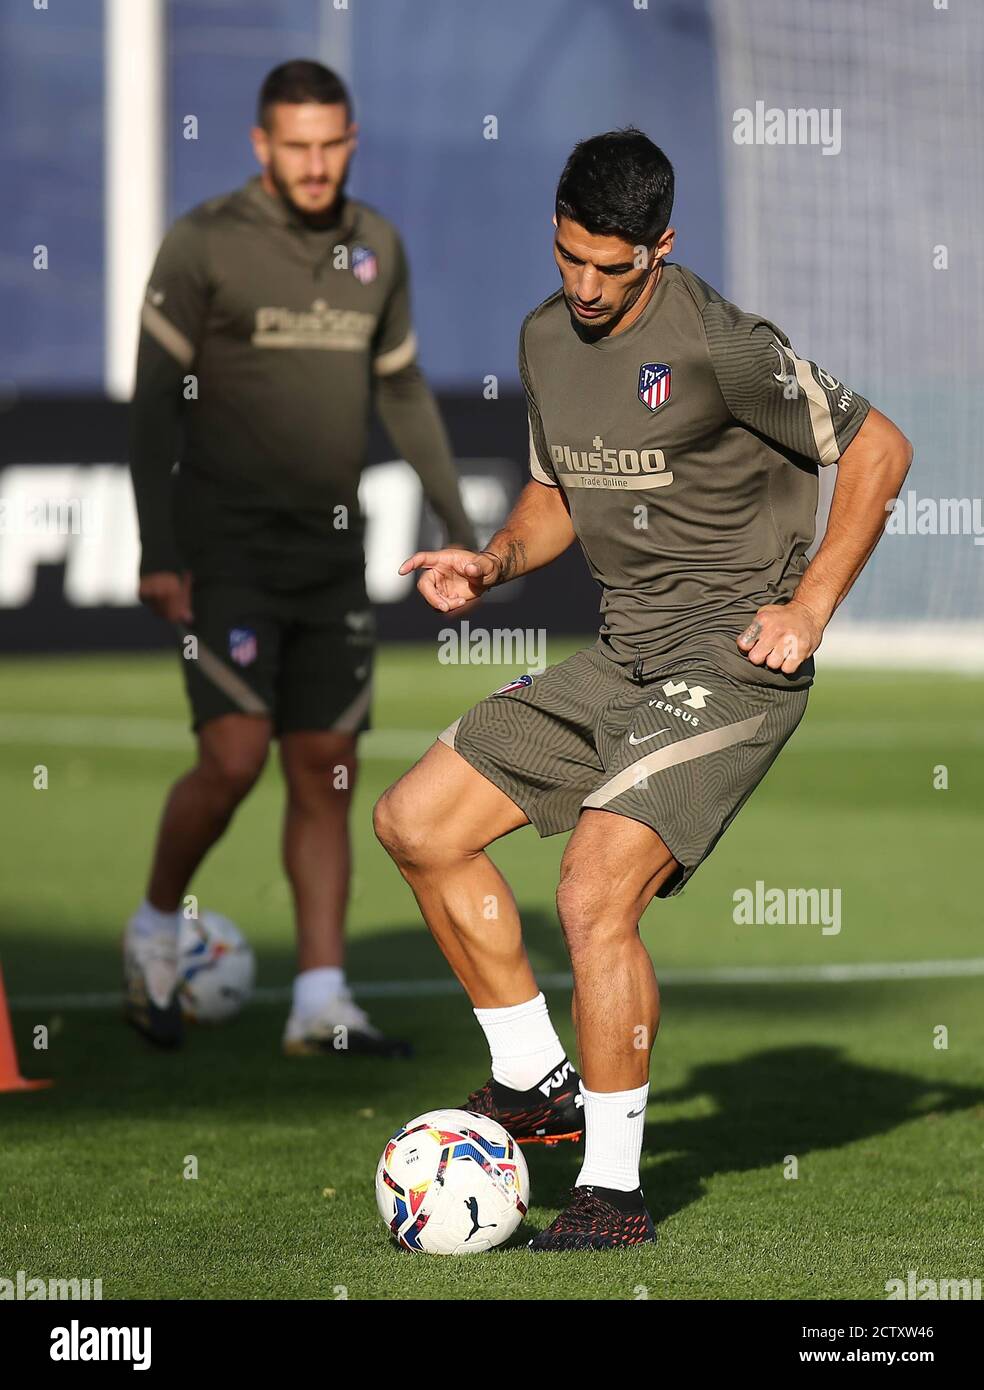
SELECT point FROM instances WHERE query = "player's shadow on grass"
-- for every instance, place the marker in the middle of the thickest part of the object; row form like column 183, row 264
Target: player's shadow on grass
column 102, row 1068
column 41, row 961
column 792, row 1100
column 780, row 1102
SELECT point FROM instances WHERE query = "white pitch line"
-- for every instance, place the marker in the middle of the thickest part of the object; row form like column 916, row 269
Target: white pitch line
column 879, row 971
column 107, row 731
column 96, row 731
column 384, row 744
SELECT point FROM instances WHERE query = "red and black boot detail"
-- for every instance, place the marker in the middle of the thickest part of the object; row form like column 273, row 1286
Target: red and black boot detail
column 548, row 1113
column 599, row 1218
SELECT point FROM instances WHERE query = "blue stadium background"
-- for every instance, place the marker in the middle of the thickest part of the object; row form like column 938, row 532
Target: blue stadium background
column 843, row 252
column 475, row 213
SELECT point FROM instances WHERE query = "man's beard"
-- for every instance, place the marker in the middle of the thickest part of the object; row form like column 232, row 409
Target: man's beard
column 590, row 332
column 326, row 216
column 585, row 330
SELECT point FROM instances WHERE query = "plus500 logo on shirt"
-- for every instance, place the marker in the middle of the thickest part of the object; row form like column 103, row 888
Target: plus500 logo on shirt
column 610, row 467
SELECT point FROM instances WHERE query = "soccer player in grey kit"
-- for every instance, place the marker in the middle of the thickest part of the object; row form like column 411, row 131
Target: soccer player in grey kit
column 288, row 304
column 678, row 439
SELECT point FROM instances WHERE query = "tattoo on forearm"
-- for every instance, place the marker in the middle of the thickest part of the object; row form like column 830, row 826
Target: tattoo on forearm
column 513, row 555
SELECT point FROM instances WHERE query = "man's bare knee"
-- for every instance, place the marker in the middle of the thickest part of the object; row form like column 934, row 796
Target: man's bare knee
column 386, row 821
column 232, row 760
column 611, row 870
column 320, row 771
column 403, row 828
column 590, row 915
column 233, row 774
column 442, row 812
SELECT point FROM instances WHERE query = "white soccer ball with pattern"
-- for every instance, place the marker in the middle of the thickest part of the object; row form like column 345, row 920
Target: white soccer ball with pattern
column 452, row 1183
column 216, row 968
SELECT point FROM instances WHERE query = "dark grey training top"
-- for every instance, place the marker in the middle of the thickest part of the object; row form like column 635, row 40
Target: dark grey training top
column 687, row 447
column 290, row 335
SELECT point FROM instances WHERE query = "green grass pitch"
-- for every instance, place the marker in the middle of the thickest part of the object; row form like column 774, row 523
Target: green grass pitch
column 887, row 1128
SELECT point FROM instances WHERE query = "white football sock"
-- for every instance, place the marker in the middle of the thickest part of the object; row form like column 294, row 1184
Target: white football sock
column 613, row 1125
column 522, row 1042
column 314, row 989
column 149, row 920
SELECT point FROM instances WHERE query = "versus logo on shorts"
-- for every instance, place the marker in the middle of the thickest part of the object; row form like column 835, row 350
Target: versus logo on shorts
column 242, row 645
column 696, row 699
column 654, row 384
column 520, row 683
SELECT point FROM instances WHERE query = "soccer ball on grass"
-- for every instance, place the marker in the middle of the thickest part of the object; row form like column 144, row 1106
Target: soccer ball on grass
column 216, row 968
column 452, row 1183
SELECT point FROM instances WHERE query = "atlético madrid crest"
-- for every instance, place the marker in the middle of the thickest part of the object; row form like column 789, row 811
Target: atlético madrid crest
column 654, row 384
column 520, row 683
column 242, row 645
column 364, row 266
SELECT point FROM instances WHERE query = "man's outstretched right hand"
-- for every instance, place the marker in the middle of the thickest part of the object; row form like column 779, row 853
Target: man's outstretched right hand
column 453, row 580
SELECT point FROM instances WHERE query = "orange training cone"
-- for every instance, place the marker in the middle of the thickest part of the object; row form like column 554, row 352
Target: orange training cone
column 10, row 1077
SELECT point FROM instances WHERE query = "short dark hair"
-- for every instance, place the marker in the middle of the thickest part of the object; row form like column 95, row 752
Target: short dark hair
column 618, row 184
column 298, row 81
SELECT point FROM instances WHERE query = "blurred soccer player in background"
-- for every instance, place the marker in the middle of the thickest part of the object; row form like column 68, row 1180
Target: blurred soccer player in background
column 679, row 440
column 276, row 316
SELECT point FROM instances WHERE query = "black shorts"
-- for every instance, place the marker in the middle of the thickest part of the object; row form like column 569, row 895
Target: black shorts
column 301, row 657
